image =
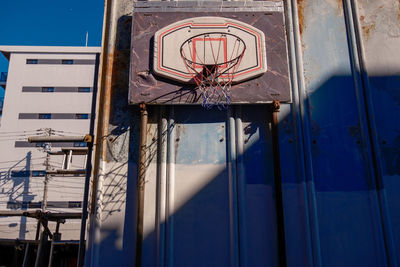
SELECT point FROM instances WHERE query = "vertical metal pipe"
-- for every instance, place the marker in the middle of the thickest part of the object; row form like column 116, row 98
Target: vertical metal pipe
column 305, row 126
column 241, row 187
column 102, row 110
column 46, row 177
column 141, row 183
column 45, row 187
column 69, row 160
column 297, row 122
column 81, row 249
column 161, row 186
column 26, row 256
column 41, row 250
column 15, row 261
column 37, row 230
column 51, row 257
column 57, row 227
column 278, row 184
column 170, row 188
column 64, row 165
column 232, row 174
column 56, row 237
column 85, row 161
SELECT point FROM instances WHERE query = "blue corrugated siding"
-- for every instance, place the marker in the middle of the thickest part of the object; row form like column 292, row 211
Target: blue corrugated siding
column 344, row 188
column 386, row 107
column 349, row 228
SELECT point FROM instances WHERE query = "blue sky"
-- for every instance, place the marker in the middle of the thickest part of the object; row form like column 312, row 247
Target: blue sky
column 49, row 23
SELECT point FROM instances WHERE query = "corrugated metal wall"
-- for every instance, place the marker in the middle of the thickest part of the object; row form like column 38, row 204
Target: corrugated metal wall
column 209, row 189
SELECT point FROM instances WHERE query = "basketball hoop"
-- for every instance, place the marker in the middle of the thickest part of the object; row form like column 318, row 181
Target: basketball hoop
column 212, row 68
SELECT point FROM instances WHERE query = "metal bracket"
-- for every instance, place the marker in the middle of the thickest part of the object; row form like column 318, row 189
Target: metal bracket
column 275, row 106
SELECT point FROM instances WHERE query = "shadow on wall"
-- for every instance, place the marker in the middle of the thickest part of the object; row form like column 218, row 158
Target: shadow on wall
column 333, row 205
column 14, row 184
column 336, row 199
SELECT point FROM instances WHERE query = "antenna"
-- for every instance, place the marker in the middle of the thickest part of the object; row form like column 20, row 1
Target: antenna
column 87, row 37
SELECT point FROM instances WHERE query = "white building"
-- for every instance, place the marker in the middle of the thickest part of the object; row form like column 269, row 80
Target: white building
column 48, row 89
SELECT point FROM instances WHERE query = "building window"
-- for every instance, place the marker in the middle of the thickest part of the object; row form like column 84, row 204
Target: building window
column 23, row 144
column 47, row 89
column 39, row 144
column 19, row 173
column 84, row 116
column 79, row 144
column 28, row 173
column 44, row 116
column 31, row 61
column 74, row 204
column 54, row 116
column 84, row 89
column 38, row 173
column 67, row 61
column 37, row 205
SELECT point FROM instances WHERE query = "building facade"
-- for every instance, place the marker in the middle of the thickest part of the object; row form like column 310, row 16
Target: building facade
column 48, row 92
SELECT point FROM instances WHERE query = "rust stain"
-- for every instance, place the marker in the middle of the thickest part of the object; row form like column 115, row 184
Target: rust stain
column 106, row 100
column 340, row 4
column 362, row 18
column 398, row 13
column 368, row 29
column 300, row 11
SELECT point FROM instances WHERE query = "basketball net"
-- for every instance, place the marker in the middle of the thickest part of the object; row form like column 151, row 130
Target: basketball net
column 213, row 72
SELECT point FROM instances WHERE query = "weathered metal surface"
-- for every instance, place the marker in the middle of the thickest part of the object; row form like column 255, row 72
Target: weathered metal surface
column 111, row 192
column 141, row 182
column 147, row 87
column 379, row 30
column 210, row 191
column 340, row 179
column 201, row 6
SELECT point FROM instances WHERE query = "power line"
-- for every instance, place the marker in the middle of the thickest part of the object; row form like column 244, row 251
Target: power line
column 62, row 131
column 30, row 131
column 21, row 134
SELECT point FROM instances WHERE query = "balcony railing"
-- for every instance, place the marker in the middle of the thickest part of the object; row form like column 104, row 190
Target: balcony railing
column 3, row 77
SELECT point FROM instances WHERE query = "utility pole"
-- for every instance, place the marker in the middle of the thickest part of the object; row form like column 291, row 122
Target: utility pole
column 47, row 148
column 44, row 236
column 48, row 139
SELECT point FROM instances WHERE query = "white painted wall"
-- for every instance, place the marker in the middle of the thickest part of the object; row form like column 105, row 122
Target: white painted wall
column 14, row 129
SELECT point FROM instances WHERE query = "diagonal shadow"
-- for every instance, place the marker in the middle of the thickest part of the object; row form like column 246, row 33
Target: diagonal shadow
column 201, row 222
column 335, row 185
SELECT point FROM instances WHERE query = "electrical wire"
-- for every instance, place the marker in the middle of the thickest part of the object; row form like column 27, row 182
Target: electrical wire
column 60, row 131
column 30, row 131
column 21, row 134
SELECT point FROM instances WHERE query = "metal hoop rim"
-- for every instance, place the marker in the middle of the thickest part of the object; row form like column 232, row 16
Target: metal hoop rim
column 222, row 63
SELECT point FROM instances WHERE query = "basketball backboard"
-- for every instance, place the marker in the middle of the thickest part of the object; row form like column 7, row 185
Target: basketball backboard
column 209, row 41
column 160, row 41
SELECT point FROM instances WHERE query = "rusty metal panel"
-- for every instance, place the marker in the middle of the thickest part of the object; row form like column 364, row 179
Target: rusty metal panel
column 146, row 87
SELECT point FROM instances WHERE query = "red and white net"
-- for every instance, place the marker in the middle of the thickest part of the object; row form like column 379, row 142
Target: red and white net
column 213, row 60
